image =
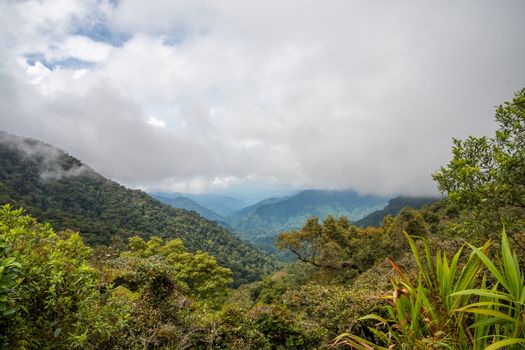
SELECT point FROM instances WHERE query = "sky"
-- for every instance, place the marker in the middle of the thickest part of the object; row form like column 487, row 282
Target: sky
column 235, row 95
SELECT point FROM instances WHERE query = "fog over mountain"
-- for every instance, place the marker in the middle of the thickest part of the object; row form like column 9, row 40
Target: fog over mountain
column 201, row 96
column 78, row 198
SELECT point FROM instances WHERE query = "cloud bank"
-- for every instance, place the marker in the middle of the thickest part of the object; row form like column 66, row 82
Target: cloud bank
column 205, row 95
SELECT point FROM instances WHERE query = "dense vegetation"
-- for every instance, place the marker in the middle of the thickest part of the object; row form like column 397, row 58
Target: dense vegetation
column 57, row 293
column 219, row 204
column 269, row 217
column 260, row 223
column 410, row 283
column 394, row 206
column 188, row 204
column 57, row 188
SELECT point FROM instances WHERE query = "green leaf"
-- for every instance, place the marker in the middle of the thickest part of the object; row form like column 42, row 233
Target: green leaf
column 492, row 268
column 505, row 342
column 57, row 332
column 511, row 268
column 373, row 317
column 490, row 312
column 484, row 293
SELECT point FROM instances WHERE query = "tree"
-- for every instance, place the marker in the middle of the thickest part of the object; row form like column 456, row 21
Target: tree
column 197, row 274
column 341, row 250
column 321, row 245
column 49, row 295
column 486, row 176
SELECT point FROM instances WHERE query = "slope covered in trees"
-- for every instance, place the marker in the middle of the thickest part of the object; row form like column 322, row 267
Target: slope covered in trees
column 57, row 293
column 58, row 188
column 413, row 282
column 217, row 203
column 271, row 216
column 393, row 207
column 486, row 176
column 188, row 204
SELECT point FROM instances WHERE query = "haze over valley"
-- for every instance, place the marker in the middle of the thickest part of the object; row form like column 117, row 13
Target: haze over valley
column 275, row 175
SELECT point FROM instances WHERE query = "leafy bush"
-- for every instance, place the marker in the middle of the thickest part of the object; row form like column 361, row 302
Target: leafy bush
column 58, row 300
column 449, row 307
column 264, row 327
column 9, row 272
column 195, row 274
column 485, row 177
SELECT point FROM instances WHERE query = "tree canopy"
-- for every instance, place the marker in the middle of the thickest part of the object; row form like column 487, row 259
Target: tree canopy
column 486, row 176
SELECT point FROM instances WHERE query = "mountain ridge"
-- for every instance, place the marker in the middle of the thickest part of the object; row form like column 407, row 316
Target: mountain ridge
column 273, row 215
column 58, row 188
column 393, row 207
column 223, row 205
column 186, row 203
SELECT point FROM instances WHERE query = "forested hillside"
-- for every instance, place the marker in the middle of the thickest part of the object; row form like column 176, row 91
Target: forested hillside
column 271, row 216
column 58, row 188
column 449, row 275
column 217, row 203
column 188, row 204
column 393, row 207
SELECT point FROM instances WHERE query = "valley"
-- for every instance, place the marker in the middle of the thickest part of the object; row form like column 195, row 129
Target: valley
column 262, row 175
column 261, row 223
column 82, row 254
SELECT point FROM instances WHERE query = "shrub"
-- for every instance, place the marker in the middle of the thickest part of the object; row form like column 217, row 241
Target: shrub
column 444, row 308
column 58, row 300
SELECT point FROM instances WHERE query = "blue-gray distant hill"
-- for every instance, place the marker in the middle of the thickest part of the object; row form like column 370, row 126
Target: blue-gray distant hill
column 272, row 216
column 57, row 188
column 217, row 203
column 393, row 207
column 188, row 204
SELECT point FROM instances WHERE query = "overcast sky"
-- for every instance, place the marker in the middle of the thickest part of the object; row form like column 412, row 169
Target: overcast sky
column 201, row 96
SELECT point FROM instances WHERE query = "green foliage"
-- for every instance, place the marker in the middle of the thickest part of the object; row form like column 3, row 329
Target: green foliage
column 58, row 301
column 500, row 310
column 9, row 272
column 333, row 308
column 171, row 292
column 190, row 205
column 161, row 316
column 394, row 206
column 198, row 275
column 486, row 176
column 341, row 251
column 272, row 216
column 57, row 188
column 265, row 327
column 156, row 295
column 446, row 307
column 322, row 245
column 162, row 282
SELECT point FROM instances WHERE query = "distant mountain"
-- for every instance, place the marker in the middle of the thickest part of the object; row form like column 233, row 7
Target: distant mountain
column 188, row 204
column 271, row 216
column 55, row 187
column 218, row 203
column 393, row 207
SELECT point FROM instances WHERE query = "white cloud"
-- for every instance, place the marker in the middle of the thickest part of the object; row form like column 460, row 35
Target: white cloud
column 156, row 122
column 37, row 72
column 79, row 47
column 207, row 94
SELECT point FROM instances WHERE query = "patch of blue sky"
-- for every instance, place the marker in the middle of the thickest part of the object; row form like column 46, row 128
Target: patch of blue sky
column 35, row 57
column 70, row 62
column 101, row 32
column 73, row 63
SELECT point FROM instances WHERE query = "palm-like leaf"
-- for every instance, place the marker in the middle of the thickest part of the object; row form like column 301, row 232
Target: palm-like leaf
column 444, row 309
